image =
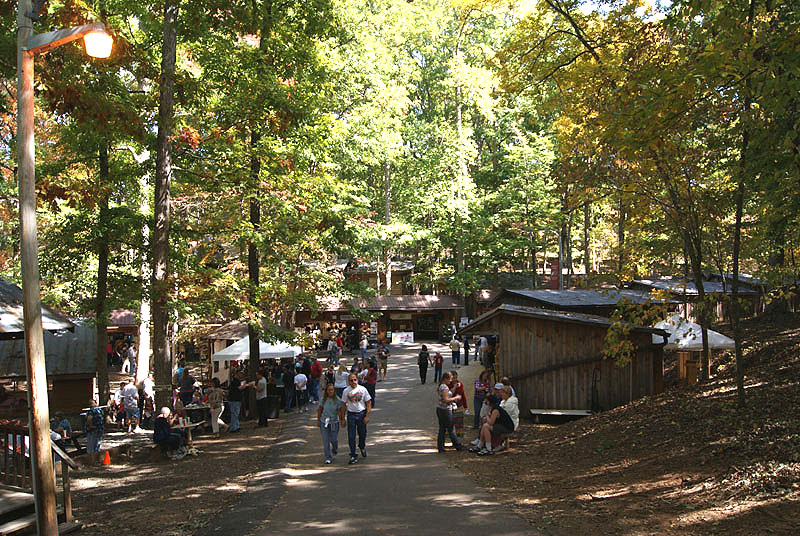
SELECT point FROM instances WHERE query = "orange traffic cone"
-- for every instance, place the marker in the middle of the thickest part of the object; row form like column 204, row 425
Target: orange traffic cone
column 107, row 459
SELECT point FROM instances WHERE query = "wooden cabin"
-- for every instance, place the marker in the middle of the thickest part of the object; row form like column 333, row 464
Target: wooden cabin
column 70, row 361
column 554, row 359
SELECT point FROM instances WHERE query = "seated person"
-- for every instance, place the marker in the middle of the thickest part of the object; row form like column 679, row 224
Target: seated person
column 163, row 434
column 496, row 424
column 61, row 425
column 509, row 403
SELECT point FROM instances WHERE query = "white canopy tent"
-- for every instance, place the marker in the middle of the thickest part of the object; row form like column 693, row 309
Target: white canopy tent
column 686, row 336
column 240, row 350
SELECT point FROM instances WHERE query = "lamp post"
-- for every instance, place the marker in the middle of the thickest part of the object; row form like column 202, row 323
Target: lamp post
column 560, row 256
column 28, row 45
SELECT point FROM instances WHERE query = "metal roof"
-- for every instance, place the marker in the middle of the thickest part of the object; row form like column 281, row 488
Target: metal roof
column 65, row 352
column 688, row 288
column 232, row 331
column 582, row 297
column 406, row 302
column 12, row 324
column 545, row 314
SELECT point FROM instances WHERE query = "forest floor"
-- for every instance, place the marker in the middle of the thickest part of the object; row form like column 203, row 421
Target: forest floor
column 689, row 461
column 138, row 495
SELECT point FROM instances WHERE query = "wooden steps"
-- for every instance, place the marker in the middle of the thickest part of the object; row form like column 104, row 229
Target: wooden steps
column 18, row 514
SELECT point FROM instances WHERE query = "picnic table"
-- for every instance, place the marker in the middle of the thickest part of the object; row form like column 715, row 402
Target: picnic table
column 198, row 412
column 189, row 426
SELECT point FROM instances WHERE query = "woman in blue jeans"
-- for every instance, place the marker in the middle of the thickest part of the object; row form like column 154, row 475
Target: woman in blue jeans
column 328, row 415
column 444, row 412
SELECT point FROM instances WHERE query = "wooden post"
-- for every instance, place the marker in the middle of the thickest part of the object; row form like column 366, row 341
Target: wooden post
column 44, row 488
column 67, row 494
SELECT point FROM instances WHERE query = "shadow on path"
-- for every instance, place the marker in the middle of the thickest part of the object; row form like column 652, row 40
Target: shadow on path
column 403, row 487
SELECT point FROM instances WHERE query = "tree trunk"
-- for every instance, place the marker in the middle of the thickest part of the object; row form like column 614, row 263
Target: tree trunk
column 100, row 313
column 387, row 218
column 160, row 286
column 737, row 235
column 252, row 258
column 587, row 261
column 144, row 348
column 621, row 235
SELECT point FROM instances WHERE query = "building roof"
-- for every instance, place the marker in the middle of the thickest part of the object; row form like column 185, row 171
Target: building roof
column 12, row 323
column 407, row 302
column 580, row 297
column 232, row 331
column 235, row 330
column 122, row 317
column 65, row 352
column 545, row 314
column 688, row 288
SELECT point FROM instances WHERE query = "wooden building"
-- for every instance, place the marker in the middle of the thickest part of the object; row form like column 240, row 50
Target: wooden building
column 424, row 315
column 554, row 359
column 601, row 302
column 70, row 361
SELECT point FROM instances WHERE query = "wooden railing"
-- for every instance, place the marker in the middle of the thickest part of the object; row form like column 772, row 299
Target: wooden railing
column 15, row 464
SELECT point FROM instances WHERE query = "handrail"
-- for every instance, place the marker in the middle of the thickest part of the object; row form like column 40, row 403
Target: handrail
column 13, row 464
column 63, row 455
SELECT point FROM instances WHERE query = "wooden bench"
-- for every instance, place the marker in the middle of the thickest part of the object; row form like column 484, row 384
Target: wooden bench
column 560, row 413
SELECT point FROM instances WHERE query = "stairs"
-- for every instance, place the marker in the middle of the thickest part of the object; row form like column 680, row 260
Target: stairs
column 18, row 514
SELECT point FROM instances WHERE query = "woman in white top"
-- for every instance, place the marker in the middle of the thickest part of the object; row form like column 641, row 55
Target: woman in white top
column 445, row 405
column 340, row 380
column 510, row 404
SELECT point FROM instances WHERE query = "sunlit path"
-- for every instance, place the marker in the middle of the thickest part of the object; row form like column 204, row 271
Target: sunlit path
column 403, row 487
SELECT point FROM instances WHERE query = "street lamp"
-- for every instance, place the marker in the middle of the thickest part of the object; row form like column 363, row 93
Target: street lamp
column 560, row 256
column 28, row 45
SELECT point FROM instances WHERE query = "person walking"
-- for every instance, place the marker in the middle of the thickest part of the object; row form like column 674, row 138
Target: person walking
column 288, row 386
column 370, row 381
column 235, row 400
column 340, row 380
column 363, row 346
column 446, row 403
column 423, row 360
column 438, row 362
column 333, row 352
column 215, row 396
column 482, row 387
column 455, row 347
column 315, row 375
column 383, row 360
column 358, row 404
column 329, row 414
column 301, row 389
column 466, row 351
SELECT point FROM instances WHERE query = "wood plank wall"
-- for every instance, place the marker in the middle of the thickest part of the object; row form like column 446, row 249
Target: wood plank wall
column 531, row 344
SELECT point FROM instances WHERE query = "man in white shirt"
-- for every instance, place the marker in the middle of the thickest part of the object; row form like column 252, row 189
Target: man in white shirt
column 455, row 347
column 358, row 404
column 363, row 346
column 260, row 386
column 130, row 400
column 300, row 389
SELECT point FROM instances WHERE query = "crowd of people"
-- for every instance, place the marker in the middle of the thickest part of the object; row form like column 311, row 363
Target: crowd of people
column 345, row 396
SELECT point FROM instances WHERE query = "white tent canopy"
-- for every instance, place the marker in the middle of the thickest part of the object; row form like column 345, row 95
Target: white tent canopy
column 687, row 336
column 241, row 350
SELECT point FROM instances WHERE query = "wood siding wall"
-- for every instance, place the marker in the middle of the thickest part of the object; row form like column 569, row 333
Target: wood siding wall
column 553, row 364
